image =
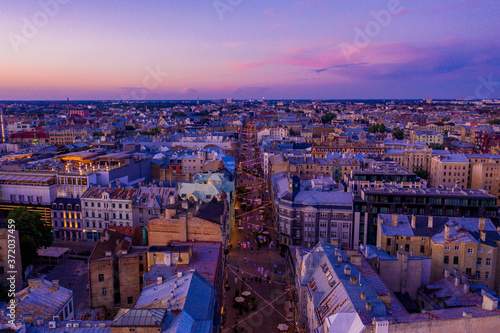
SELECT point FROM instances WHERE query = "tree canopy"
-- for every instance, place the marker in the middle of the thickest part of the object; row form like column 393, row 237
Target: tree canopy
column 33, row 233
column 327, row 117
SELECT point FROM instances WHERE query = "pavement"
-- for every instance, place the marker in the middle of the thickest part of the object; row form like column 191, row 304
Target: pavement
column 245, row 265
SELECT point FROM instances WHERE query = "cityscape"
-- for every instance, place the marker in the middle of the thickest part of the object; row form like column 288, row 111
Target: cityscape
column 249, row 166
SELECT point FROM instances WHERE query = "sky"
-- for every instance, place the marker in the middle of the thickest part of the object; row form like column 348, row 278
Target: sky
column 249, row 49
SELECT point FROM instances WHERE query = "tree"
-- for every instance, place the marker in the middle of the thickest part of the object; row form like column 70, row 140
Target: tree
column 398, row 134
column 422, row 174
column 97, row 134
column 129, row 128
column 377, row 128
column 328, row 117
column 33, row 233
column 436, row 146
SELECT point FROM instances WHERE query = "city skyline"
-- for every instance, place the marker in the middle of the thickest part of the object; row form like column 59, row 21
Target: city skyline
column 239, row 49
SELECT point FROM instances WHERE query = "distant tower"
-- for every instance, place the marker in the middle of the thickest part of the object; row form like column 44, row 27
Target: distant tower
column 68, row 106
column 3, row 127
column 198, row 101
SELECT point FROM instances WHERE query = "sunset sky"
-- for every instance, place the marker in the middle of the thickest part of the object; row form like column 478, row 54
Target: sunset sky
column 247, row 49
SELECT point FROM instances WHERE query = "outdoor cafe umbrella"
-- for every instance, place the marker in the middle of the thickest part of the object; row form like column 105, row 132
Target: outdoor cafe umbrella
column 282, row 327
column 246, row 293
column 239, row 299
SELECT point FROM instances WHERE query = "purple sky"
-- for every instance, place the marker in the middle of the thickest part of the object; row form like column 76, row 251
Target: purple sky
column 247, row 49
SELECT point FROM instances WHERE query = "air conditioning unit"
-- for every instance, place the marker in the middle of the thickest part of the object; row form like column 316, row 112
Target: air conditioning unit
column 69, row 325
column 52, row 324
column 76, row 325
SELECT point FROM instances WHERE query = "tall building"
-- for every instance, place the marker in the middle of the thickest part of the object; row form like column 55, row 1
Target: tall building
column 307, row 213
column 449, row 170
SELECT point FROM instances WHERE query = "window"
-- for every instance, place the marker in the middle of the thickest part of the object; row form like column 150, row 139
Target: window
column 478, row 275
column 468, row 271
column 101, row 277
column 488, row 261
column 104, row 291
column 345, row 235
column 457, row 248
column 447, row 248
column 470, row 251
column 334, row 224
column 141, row 267
column 478, row 261
column 345, row 225
column 130, row 300
column 407, row 247
column 455, row 260
column 480, row 249
column 486, row 275
column 388, row 242
column 422, row 248
column 446, row 259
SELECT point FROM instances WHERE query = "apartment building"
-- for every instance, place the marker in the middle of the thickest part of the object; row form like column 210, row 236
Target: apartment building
column 67, row 221
column 381, row 174
column 443, row 201
column 468, row 245
column 411, row 159
column 65, row 136
column 484, row 172
column 306, row 215
column 449, row 170
column 428, row 137
column 105, row 206
column 115, row 271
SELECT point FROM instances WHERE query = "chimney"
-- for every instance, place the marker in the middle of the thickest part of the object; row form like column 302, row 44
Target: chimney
column 482, row 223
column 356, row 260
column 467, row 313
column 159, row 280
column 175, row 285
column 413, row 221
column 185, row 205
column 183, row 233
column 457, row 281
column 395, row 220
column 446, row 231
column 490, row 302
column 466, row 287
column 55, row 284
column 446, row 272
column 179, row 274
column 39, row 321
column 347, row 270
column 482, row 234
column 430, row 222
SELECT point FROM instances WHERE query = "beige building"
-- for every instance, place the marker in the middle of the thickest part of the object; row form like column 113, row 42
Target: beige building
column 449, row 170
column 65, row 136
column 429, row 137
column 411, row 159
column 469, row 245
column 115, row 273
column 484, row 173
